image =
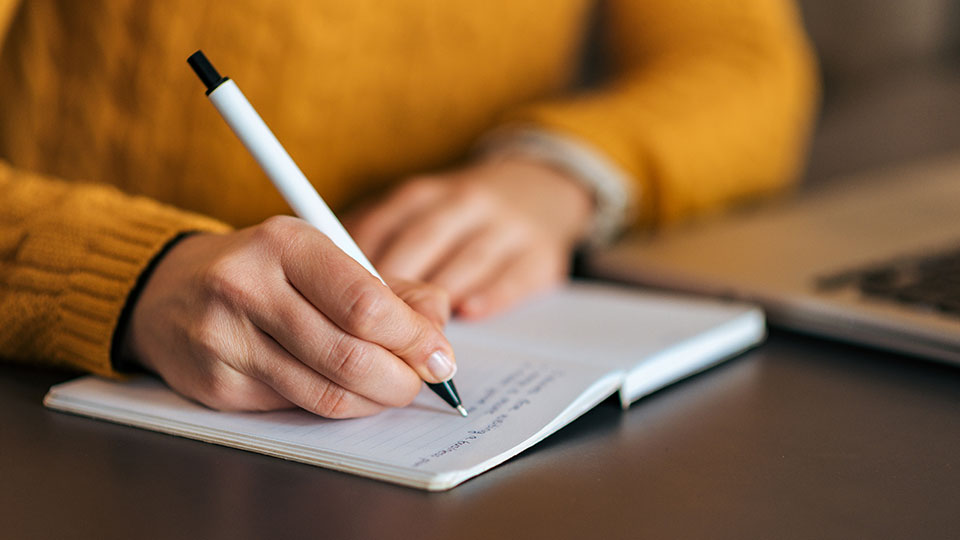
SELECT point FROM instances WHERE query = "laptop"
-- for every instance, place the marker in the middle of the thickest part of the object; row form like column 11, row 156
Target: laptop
column 871, row 259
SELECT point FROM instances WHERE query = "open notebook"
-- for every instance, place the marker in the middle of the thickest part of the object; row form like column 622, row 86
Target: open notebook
column 522, row 376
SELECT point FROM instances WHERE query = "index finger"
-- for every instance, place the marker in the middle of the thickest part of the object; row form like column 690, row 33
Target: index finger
column 364, row 307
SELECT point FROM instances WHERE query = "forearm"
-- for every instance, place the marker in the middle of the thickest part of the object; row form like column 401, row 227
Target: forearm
column 708, row 103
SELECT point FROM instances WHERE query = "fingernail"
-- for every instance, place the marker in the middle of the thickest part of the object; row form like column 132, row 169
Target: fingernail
column 441, row 366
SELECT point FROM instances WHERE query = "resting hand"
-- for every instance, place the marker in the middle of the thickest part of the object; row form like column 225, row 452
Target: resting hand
column 276, row 316
column 490, row 234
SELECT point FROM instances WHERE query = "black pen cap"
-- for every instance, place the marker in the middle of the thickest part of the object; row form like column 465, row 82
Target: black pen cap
column 208, row 74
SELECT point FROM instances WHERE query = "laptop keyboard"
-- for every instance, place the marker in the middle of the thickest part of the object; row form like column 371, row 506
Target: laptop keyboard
column 930, row 281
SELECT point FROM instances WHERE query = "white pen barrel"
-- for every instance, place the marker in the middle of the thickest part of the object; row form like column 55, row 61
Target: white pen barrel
column 281, row 169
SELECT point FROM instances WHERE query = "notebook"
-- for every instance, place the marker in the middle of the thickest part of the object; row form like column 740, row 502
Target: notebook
column 522, row 376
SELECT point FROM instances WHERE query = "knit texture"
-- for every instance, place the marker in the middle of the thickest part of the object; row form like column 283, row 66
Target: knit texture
column 109, row 148
column 69, row 255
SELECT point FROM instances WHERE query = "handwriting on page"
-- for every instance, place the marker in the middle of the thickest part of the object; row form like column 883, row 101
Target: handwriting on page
column 428, row 429
column 497, row 402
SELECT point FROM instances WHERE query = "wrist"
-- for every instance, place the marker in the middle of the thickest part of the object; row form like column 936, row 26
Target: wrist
column 610, row 187
column 122, row 355
column 547, row 194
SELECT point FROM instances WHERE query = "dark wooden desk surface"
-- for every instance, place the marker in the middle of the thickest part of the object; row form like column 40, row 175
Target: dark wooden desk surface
column 800, row 438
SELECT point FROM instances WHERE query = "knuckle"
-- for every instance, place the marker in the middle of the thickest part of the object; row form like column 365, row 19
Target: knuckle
column 220, row 391
column 366, row 308
column 234, row 282
column 288, row 315
column 332, row 402
column 258, row 366
column 278, row 227
column 278, row 233
column 224, row 279
column 208, row 338
column 354, row 359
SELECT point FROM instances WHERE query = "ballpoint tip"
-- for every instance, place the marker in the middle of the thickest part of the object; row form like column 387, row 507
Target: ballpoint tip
column 463, row 412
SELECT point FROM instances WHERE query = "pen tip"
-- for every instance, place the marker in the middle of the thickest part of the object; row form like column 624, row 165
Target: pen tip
column 463, row 412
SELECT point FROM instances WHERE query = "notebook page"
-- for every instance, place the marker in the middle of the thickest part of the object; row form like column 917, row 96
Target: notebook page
column 510, row 398
column 601, row 324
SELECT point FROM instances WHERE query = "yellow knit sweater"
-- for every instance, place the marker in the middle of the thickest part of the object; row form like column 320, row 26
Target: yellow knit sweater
column 108, row 148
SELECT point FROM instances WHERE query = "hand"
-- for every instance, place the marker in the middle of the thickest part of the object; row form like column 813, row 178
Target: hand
column 276, row 316
column 490, row 234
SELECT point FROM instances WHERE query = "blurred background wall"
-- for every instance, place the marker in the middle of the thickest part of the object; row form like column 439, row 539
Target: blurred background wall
column 891, row 71
column 861, row 37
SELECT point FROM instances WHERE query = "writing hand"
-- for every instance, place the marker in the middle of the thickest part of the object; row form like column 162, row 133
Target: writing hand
column 490, row 234
column 275, row 316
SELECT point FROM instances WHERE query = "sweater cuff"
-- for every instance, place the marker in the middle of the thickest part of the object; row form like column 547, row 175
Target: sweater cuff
column 611, row 187
column 123, row 242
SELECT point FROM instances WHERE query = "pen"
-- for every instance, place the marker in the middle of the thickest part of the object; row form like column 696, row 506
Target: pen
column 287, row 177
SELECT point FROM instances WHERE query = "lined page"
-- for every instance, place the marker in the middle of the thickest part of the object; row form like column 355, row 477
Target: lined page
column 510, row 397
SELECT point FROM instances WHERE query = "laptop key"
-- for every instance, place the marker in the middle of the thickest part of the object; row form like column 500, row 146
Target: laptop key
column 927, row 282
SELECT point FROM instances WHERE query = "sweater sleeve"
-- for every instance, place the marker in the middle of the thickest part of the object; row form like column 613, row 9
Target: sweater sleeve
column 708, row 102
column 70, row 254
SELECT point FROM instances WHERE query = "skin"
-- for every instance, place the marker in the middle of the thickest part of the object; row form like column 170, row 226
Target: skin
column 490, row 234
column 276, row 316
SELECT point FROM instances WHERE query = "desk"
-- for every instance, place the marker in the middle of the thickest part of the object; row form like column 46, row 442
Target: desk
column 800, row 438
